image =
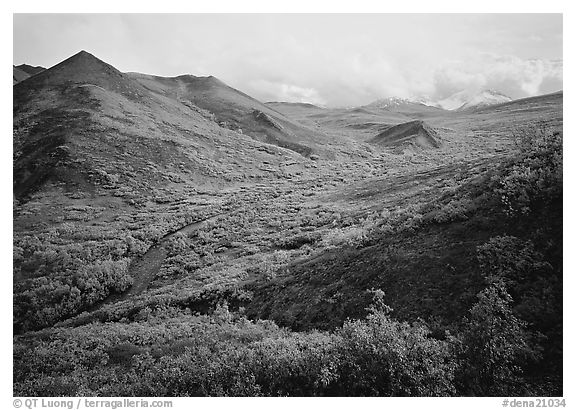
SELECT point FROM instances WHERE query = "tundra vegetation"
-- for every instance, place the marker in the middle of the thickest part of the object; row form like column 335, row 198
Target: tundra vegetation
column 269, row 298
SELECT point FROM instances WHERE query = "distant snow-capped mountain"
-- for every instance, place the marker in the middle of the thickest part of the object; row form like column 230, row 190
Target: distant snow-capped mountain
column 404, row 105
column 461, row 100
column 425, row 100
column 394, row 102
column 465, row 99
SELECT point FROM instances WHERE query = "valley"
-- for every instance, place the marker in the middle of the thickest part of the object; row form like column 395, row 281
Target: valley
column 182, row 238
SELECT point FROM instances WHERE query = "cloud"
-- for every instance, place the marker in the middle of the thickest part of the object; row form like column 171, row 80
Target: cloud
column 360, row 78
column 287, row 92
column 337, row 60
column 511, row 75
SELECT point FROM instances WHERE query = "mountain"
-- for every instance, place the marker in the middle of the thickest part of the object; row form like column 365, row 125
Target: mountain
column 412, row 108
column 424, row 99
column 85, row 127
column 463, row 100
column 397, row 104
column 86, row 70
column 416, row 133
column 390, row 103
column 485, row 98
column 235, row 110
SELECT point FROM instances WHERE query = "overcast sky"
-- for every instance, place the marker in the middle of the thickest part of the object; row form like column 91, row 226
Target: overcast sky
column 334, row 60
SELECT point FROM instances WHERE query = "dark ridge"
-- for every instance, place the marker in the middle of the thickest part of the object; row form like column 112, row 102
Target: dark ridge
column 18, row 75
column 414, row 132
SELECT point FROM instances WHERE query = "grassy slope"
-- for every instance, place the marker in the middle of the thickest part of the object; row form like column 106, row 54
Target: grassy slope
column 425, row 270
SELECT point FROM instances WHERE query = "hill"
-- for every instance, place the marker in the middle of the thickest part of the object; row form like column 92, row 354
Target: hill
column 447, row 232
column 502, row 119
column 525, row 105
column 413, row 133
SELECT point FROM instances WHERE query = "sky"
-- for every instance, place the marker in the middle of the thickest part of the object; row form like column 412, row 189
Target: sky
column 326, row 59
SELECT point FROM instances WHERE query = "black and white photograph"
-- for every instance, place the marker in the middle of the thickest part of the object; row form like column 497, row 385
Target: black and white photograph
column 286, row 205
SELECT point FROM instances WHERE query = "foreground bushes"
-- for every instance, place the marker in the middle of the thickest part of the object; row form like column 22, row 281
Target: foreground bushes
column 174, row 353
column 535, row 179
column 224, row 354
column 41, row 302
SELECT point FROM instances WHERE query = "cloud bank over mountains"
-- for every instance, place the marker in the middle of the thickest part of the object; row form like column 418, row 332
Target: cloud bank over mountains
column 510, row 75
column 372, row 80
column 334, row 60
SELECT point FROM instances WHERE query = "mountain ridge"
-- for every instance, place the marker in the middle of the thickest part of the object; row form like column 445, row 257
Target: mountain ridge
column 75, row 121
column 235, row 110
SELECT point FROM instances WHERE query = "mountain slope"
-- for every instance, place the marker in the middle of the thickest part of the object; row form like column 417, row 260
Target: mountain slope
column 526, row 105
column 84, row 69
column 18, row 75
column 425, row 257
column 235, row 110
column 504, row 120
